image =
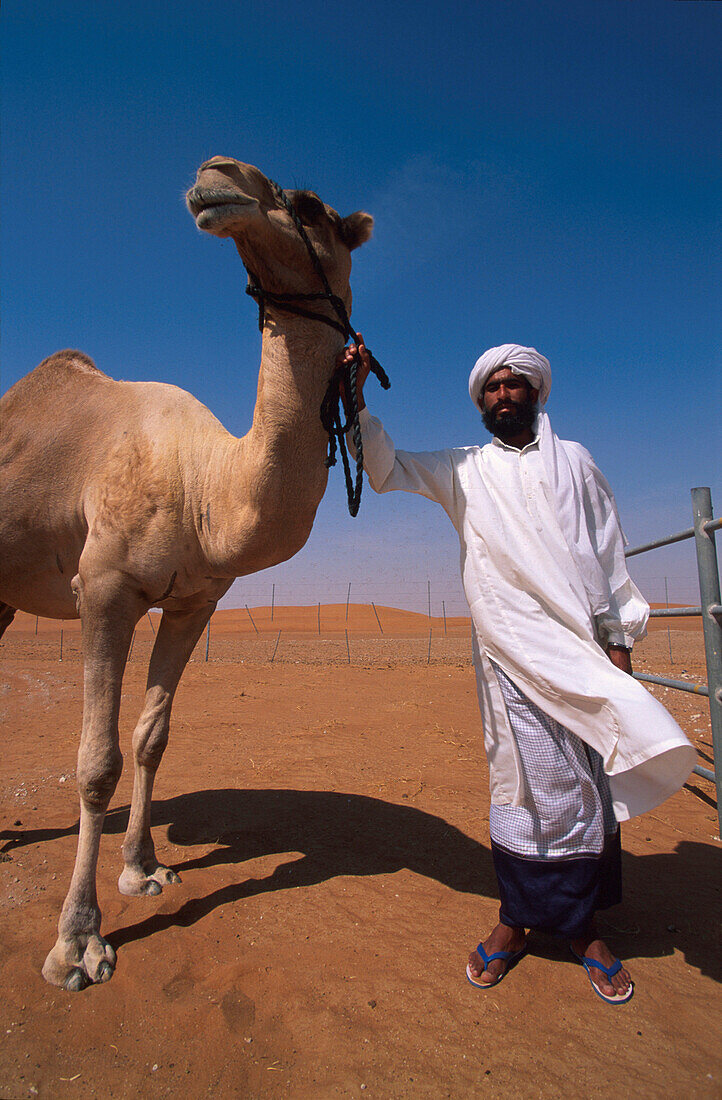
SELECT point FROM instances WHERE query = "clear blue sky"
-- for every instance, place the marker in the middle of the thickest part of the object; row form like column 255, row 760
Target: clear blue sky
column 540, row 173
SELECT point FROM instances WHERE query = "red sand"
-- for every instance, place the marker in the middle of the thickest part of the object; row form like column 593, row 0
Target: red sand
column 329, row 822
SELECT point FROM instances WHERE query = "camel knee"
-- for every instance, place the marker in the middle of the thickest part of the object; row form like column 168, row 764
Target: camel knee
column 150, row 747
column 151, row 734
column 98, row 778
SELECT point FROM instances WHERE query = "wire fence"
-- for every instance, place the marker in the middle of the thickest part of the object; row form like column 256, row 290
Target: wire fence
column 384, row 624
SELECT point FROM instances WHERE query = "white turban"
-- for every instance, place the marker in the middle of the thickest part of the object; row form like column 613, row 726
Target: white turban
column 525, row 361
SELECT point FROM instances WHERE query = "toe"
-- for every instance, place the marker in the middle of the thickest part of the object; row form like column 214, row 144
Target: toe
column 76, row 980
column 476, row 966
column 104, row 972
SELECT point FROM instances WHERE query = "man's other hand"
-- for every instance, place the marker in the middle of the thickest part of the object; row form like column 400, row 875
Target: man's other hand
column 345, row 358
column 621, row 658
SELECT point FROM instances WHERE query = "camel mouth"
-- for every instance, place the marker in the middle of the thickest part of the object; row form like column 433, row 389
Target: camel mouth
column 213, row 208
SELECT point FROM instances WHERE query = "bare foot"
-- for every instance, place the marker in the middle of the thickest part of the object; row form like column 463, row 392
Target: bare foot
column 592, row 947
column 503, row 938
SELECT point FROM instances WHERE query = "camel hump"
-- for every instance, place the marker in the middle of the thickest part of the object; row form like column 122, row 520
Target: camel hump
column 68, row 360
column 54, row 375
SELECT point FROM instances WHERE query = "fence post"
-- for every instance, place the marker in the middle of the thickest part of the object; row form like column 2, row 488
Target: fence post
column 208, row 639
column 709, row 592
column 669, row 632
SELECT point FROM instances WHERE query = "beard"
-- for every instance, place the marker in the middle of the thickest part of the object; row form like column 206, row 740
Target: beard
column 509, row 423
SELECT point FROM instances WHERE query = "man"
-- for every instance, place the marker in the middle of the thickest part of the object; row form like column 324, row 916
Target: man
column 574, row 744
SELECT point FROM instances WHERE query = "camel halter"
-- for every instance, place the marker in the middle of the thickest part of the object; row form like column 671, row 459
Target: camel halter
column 331, row 405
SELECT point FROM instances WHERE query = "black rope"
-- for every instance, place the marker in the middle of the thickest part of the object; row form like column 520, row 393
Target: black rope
column 347, row 375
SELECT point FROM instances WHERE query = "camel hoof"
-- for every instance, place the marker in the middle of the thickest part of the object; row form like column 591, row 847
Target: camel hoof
column 76, row 980
column 79, row 961
column 136, row 883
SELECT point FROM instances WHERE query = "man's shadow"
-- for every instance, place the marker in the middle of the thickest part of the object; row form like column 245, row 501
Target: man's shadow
column 671, row 900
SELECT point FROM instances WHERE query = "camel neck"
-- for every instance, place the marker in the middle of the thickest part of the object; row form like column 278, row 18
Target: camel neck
column 273, row 478
column 297, row 362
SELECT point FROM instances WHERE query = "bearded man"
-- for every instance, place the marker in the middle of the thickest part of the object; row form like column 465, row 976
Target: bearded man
column 574, row 744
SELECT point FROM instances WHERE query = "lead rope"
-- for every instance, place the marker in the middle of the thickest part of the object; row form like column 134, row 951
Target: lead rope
column 331, row 404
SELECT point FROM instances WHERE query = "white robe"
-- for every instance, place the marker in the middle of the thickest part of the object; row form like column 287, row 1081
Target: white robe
column 535, row 615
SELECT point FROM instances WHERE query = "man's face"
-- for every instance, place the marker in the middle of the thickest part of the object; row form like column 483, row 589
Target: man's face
column 508, row 404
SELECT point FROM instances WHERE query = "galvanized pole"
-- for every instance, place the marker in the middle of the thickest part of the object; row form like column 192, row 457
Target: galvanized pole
column 273, row 600
column 669, row 634
column 348, row 597
column 709, row 592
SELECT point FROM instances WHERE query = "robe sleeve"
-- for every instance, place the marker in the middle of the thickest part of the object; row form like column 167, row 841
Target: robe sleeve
column 626, row 618
column 429, row 473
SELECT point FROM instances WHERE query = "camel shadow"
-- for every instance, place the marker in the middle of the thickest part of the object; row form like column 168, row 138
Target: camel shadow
column 671, row 899
column 339, row 834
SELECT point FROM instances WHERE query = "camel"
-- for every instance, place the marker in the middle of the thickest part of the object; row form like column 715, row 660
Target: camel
column 122, row 496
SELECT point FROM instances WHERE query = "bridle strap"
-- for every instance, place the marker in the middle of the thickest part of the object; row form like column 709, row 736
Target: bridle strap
column 287, row 303
column 331, row 404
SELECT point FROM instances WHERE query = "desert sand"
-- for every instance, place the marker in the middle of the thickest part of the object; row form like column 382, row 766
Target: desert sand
column 326, row 808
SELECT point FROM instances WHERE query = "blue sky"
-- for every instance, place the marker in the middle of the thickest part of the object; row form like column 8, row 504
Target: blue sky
column 540, row 173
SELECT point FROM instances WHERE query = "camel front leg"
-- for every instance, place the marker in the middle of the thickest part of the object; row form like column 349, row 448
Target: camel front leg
column 177, row 636
column 81, row 956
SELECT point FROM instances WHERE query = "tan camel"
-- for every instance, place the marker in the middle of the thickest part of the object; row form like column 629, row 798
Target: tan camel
column 120, row 496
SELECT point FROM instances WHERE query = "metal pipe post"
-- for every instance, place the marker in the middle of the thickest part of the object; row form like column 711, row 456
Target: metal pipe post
column 709, row 591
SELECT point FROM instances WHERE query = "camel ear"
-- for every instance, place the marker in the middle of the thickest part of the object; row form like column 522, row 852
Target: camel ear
column 356, row 229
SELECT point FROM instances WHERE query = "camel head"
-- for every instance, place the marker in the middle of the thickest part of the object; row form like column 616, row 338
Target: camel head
column 232, row 199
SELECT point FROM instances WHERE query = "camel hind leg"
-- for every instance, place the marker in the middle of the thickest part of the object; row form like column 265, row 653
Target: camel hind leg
column 7, row 614
column 109, row 610
column 176, row 639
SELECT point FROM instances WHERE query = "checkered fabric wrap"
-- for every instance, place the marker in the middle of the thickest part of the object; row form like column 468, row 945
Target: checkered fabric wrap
column 569, row 807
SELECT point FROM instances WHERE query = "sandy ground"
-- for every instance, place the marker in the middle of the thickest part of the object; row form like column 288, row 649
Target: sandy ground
column 326, row 807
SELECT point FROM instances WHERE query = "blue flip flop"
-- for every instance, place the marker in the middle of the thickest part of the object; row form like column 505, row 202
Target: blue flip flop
column 610, row 971
column 511, row 957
